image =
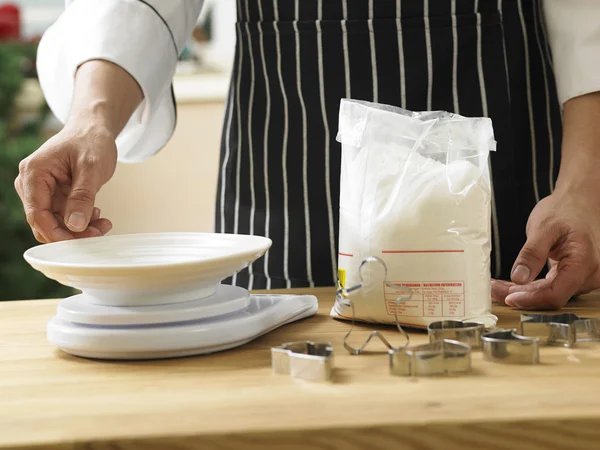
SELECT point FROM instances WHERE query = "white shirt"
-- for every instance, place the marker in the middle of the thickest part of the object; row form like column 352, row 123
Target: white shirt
column 146, row 37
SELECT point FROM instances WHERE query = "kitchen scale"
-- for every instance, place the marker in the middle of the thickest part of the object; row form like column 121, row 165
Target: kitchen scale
column 160, row 295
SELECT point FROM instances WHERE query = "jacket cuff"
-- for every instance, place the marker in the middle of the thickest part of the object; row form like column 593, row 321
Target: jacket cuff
column 574, row 37
column 129, row 34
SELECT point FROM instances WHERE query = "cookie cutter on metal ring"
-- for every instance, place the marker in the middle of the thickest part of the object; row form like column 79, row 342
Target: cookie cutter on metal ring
column 506, row 346
column 560, row 329
column 312, row 361
column 466, row 332
column 343, row 295
column 439, row 358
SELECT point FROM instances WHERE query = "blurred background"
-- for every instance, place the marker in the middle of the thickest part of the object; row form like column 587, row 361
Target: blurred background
column 173, row 191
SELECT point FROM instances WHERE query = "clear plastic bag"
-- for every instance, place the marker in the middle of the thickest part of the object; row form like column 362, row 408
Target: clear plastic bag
column 415, row 191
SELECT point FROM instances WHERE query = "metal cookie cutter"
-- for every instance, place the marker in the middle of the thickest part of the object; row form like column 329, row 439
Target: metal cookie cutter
column 506, row 346
column 442, row 357
column 303, row 359
column 343, row 294
column 560, row 329
column 466, row 332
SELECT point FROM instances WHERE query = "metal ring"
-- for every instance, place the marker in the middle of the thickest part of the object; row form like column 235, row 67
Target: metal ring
column 466, row 332
column 506, row 346
column 443, row 357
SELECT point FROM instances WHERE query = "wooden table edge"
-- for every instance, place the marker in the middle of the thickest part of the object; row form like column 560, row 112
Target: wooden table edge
column 577, row 430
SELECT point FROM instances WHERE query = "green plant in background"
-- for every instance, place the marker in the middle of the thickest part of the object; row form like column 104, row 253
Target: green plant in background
column 18, row 280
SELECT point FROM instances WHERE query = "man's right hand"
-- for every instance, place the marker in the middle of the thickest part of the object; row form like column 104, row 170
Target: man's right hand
column 58, row 183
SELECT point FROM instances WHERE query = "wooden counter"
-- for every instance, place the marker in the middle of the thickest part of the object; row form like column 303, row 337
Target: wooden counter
column 232, row 400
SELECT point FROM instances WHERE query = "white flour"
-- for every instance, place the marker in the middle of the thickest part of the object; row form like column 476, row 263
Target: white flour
column 415, row 192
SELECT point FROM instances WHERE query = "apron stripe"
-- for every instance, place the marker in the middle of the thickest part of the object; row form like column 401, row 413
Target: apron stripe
column 373, row 54
column 401, row 56
column 484, row 109
column 454, row 59
column 266, row 145
column 548, row 119
column 286, row 219
column 504, row 50
column 345, row 46
column 547, row 47
column 529, row 103
column 327, row 151
column 308, row 252
column 250, row 143
column 495, row 231
column 483, row 93
column 542, row 20
column 429, row 56
column 236, row 221
column 225, row 160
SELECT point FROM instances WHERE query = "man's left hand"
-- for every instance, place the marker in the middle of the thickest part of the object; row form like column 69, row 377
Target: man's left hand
column 563, row 229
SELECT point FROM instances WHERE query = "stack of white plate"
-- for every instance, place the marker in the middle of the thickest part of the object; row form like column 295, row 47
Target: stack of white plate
column 160, row 295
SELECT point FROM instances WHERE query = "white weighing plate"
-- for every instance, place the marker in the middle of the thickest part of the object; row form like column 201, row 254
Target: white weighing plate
column 263, row 314
column 147, row 269
column 226, row 300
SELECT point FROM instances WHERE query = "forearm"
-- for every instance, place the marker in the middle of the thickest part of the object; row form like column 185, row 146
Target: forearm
column 104, row 95
column 580, row 160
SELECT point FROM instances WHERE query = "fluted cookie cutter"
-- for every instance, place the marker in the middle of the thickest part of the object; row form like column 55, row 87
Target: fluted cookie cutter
column 343, row 296
column 506, row 346
column 440, row 358
column 560, row 329
column 304, row 360
column 466, row 332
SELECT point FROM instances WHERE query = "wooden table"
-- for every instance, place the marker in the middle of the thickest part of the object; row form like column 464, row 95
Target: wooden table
column 232, row 400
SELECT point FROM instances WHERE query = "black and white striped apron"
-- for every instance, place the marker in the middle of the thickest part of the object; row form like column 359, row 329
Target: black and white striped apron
column 295, row 59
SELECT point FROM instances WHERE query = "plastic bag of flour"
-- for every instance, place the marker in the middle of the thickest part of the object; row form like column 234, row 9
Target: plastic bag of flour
column 415, row 192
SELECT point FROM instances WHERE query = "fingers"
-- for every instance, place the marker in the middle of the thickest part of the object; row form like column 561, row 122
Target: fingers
column 44, row 222
column 97, row 227
column 38, row 236
column 35, row 189
column 36, row 195
column 19, row 188
column 64, row 175
column 534, row 254
column 80, row 201
column 500, row 289
column 102, row 225
column 550, row 293
column 552, row 272
column 529, row 287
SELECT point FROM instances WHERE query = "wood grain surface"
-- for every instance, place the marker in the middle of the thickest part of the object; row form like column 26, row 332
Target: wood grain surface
column 231, row 400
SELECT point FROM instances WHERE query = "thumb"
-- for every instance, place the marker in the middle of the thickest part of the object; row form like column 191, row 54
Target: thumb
column 533, row 256
column 80, row 202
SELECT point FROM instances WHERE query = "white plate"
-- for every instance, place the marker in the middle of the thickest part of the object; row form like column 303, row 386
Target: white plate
column 263, row 314
column 227, row 299
column 147, row 269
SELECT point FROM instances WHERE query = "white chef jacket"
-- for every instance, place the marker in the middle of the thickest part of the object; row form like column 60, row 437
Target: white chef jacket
column 145, row 37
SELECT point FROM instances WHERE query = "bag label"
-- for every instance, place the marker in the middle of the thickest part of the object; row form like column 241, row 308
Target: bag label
column 429, row 299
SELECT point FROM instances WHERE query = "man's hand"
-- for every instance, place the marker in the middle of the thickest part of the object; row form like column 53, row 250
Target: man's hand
column 58, row 184
column 565, row 229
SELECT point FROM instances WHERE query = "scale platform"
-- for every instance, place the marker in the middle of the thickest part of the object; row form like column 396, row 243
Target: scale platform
column 229, row 318
column 160, row 295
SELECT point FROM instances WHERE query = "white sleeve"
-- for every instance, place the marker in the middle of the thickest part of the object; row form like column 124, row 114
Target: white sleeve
column 144, row 37
column 574, row 36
